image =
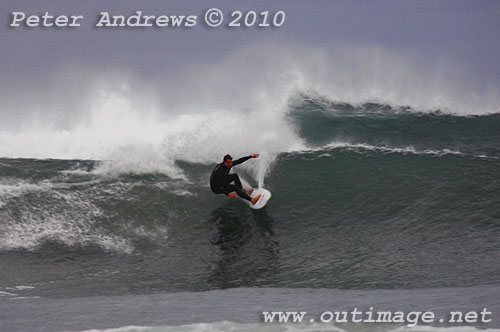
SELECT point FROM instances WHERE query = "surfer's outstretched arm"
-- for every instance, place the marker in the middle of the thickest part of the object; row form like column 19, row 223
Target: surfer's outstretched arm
column 242, row 160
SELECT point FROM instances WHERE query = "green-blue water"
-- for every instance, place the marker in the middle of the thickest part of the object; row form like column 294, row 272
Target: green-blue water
column 381, row 199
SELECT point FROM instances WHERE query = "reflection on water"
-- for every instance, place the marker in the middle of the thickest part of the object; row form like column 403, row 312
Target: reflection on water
column 248, row 250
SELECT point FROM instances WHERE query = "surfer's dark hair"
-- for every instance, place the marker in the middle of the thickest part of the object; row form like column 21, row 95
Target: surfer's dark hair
column 227, row 157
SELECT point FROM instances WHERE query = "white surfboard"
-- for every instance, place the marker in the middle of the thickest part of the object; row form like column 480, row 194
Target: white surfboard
column 265, row 196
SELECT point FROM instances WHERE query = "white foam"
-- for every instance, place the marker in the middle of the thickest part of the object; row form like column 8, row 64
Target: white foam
column 3, row 293
column 24, row 287
column 226, row 326
column 237, row 105
column 406, row 149
column 71, row 221
column 11, row 188
column 356, row 147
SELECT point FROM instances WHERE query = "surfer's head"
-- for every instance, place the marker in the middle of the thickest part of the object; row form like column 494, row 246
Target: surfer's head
column 228, row 161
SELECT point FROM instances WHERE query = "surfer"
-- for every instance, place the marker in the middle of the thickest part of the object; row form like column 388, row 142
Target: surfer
column 220, row 180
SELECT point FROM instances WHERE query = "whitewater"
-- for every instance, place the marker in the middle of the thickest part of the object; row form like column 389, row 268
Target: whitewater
column 384, row 173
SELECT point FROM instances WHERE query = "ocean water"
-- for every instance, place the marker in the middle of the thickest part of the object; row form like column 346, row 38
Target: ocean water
column 107, row 221
column 378, row 206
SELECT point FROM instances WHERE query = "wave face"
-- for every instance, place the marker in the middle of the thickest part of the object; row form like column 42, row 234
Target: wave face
column 374, row 196
column 394, row 129
column 385, row 178
column 240, row 103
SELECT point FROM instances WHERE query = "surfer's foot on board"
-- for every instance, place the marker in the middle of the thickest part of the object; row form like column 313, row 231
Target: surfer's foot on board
column 255, row 199
column 249, row 191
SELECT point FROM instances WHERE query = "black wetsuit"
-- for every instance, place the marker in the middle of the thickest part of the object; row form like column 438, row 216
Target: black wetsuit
column 220, row 180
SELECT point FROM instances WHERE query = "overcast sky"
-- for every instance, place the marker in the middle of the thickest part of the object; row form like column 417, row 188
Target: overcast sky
column 467, row 33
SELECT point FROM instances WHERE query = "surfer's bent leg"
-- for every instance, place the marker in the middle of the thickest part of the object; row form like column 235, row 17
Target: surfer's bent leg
column 235, row 178
column 239, row 191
